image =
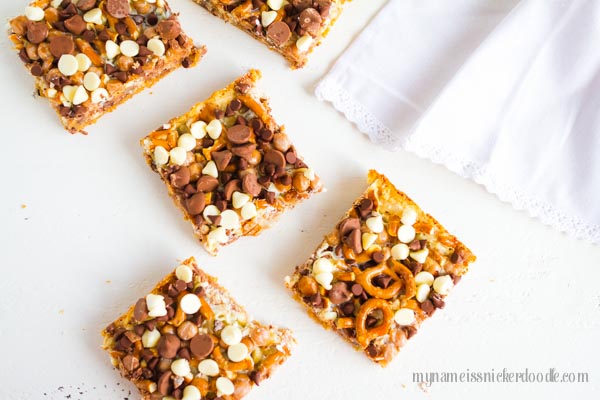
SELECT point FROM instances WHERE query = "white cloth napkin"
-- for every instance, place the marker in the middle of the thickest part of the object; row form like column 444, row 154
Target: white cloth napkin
column 506, row 93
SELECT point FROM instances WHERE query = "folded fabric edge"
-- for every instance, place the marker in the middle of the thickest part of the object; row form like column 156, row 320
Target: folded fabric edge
column 546, row 213
column 357, row 113
column 367, row 123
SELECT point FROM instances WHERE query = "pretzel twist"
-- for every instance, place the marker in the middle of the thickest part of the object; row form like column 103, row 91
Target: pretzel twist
column 364, row 335
column 410, row 287
column 365, row 277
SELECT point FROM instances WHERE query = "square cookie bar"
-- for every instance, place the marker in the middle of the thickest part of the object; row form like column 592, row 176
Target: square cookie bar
column 292, row 28
column 89, row 56
column 229, row 166
column 188, row 339
column 385, row 268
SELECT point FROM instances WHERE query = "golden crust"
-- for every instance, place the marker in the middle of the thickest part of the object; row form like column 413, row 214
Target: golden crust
column 275, row 350
column 446, row 256
column 257, row 107
column 241, row 16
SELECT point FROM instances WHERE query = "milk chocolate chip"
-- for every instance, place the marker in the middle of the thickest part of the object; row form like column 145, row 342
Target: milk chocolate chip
column 168, row 345
column 169, row 29
column 201, row 345
column 339, row 293
column 181, row 177
column 195, row 204
column 347, row 226
column 221, row 159
column 62, row 44
column 250, row 185
column 117, row 8
column 207, row 183
column 37, row 32
column 279, row 32
column 275, row 157
column 164, row 383
column 86, row 5
column 140, row 311
column 238, row 134
column 354, row 241
column 76, row 25
column 310, row 21
column 231, row 186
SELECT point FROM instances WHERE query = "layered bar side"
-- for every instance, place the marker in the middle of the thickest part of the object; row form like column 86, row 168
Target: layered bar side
column 291, row 28
column 89, row 56
column 229, row 166
column 384, row 269
column 188, row 339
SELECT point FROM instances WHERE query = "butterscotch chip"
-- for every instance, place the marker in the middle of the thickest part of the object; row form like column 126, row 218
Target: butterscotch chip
column 369, row 293
column 292, row 28
column 238, row 183
column 129, row 45
column 218, row 347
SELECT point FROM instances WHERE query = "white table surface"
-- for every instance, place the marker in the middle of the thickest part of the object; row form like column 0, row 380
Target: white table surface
column 86, row 229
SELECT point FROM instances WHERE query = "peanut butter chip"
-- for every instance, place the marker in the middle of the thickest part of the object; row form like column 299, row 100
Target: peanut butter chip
column 279, row 32
column 207, row 183
column 310, row 20
column 169, row 29
column 250, row 185
column 117, row 8
column 168, row 345
column 221, row 159
column 238, row 134
column 86, row 5
column 140, row 312
column 37, row 32
column 76, row 25
column 275, row 157
column 62, row 44
column 201, row 345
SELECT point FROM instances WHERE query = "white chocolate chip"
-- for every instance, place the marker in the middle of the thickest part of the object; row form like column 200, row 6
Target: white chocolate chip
column 51, row 93
column 322, row 265
column 406, row 233
column 83, row 62
column 91, row 81
column 409, row 216
column 191, row 393
column 67, row 65
column 303, row 43
column 309, row 174
column 156, row 46
column 56, row 3
column 405, row 317
column 94, row 16
column 99, row 95
column 328, row 315
column 210, row 210
column 239, row 199
column 198, row 129
column 218, row 235
column 190, row 303
column 420, row 256
column 375, row 224
column 160, row 155
column 184, row 273
column 187, row 141
column 150, row 338
column 112, row 49
column 178, row 155
column 231, row 335
column 237, row 352
column 267, row 17
column 210, row 169
column 208, row 367
column 80, row 96
column 249, row 211
column 424, row 277
column 129, row 48
column 443, row 284
column 214, row 129
column 324, row 279
column 229, row 219
column 34, row 13
column 422, row 292
column 156, row 305
column 224, row 386
column 180, row 367
column 69, row 92
column 400, row 251
column 275, row 4
column 368, row 239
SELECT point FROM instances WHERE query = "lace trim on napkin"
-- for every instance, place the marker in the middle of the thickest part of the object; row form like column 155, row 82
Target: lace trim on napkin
column 380, row 134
